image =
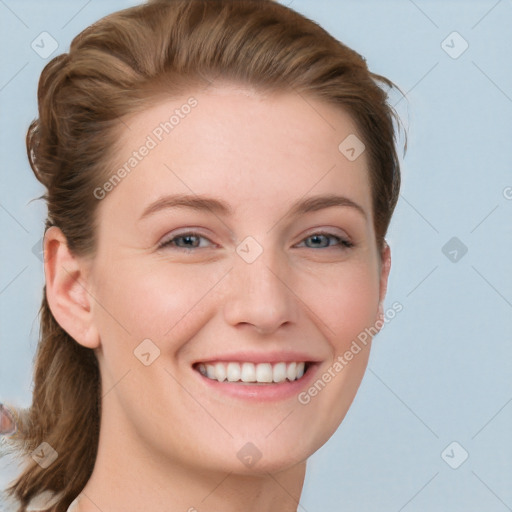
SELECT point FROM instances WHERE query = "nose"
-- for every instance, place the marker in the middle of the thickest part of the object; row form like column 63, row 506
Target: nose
column 260, row 295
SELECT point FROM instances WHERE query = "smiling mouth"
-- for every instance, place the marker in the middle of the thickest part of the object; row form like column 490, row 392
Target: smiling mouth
column 251, row 373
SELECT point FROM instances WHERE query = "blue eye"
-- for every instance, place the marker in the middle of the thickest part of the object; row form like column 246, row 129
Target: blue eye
column 191, row 240
column 320, row 238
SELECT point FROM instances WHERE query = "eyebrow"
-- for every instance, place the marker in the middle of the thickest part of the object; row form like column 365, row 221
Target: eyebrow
column 220, row 207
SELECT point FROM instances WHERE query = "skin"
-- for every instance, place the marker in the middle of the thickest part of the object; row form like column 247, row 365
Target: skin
column 7, row 424
column 167, row 441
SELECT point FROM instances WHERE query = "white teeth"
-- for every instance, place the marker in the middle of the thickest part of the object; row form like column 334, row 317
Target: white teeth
column 210, row 371
column 233, row 372
column 264, row 372
column 279, row 372
column 248, row 372
column 253, row 373
column 291, row 371
column 220, row 372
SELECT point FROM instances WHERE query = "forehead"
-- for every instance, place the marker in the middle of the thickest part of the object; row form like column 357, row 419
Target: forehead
column 248, row 146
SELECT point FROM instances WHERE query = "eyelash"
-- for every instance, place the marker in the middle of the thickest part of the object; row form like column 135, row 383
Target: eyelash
column 343, row 243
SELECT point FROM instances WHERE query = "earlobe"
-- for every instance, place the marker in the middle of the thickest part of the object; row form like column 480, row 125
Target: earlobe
column 66, row 289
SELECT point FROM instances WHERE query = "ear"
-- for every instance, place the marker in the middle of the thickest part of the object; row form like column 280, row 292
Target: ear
column 385, row 267
column 7, row 423
column 67, row 289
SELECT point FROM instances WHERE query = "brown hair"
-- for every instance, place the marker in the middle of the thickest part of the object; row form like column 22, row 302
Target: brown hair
column 116, row 67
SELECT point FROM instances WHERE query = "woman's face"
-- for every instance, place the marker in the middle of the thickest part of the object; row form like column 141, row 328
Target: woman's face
column 242, row 234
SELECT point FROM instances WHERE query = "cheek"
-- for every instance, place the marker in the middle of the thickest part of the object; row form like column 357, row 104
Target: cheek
column 347, row 305
column 140, row 302
column 345, row 300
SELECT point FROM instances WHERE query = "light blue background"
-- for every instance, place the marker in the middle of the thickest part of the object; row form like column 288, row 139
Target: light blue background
column 441, row 370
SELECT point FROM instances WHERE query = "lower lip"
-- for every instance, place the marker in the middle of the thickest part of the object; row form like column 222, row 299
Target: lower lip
column 261, row 392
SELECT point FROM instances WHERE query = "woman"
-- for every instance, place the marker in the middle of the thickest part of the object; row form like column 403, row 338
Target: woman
column 220, row 178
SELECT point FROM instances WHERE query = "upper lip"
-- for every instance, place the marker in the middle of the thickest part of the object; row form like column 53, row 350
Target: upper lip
column 261, row 357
